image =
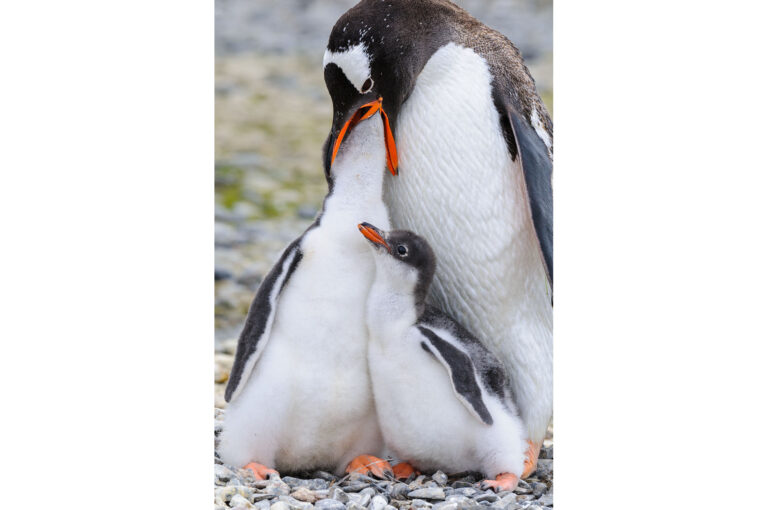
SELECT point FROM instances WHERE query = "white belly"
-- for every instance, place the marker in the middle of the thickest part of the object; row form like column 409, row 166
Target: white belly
column 459, row 188
column 424, row 423
column 309, row 402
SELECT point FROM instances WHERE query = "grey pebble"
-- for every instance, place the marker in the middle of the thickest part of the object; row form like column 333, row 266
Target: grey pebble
column 339, row 495
column 446, row 505
column 354, row 506
column 440, row 477
column 294, row 503
column 546, row 500
column 355, row 487
column 236, row 481
column 509, row 499
column 399, row 490
column 261, row 505
column 538, row 488
column 363, row 498
column 488, row 496
column 389, row 507
column 227, row 493
column 469, row 505
column 325, row 475
column 378, row 503
column 238, row 501
column 420, row 503
column 294, row 482
column 260, row 496
column 279, row 505
column 304, row 494
column 278, row 488
column 547, row 452
column 329, row 504
column 544, row 468
column 222, row 474
column 427, row 493
column 466, row 491
column 523, row 487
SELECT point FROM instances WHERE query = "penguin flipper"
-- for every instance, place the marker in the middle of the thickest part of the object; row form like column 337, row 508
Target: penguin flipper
column 258, row 324
column 525, row 142
column 461, row 369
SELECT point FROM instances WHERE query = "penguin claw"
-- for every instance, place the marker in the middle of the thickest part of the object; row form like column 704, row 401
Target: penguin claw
column 531, row 458
column 365, row 464
column 260, row 471
column 503, row 482
column 403, row 470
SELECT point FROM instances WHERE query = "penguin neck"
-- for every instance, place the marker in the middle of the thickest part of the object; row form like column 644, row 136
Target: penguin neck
column 356, row 191
column 393, row 305
column 358, row 172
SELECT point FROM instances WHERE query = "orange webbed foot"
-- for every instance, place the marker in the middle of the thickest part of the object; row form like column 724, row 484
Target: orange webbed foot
column 260, row 471
column 503, row 482
column 365, row 464
column 403, row 470
column 531, row 458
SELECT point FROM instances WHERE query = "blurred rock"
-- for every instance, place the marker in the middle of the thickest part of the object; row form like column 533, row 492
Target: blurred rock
column 429, row 493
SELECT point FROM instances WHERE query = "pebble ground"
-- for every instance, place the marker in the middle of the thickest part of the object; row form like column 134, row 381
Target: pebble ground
column 236, row 488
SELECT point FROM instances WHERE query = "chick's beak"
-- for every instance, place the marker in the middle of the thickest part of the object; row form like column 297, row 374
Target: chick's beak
column 362, row 113
column 373, row 234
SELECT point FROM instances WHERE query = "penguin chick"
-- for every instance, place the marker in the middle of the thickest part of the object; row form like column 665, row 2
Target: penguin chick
column 442, row 398
column 299, row 393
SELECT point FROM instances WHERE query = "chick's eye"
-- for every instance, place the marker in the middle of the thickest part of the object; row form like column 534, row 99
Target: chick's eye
column 367, row 84
column 402, row 250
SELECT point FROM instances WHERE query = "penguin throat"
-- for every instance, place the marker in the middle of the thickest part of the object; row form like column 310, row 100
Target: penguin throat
column 359, row 170
column 392, row 302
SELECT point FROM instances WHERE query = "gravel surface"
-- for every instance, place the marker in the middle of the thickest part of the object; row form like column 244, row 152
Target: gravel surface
column 236, row 488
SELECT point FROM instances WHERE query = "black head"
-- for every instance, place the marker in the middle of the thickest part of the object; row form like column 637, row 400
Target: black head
column 376, row 50
column 408, row 249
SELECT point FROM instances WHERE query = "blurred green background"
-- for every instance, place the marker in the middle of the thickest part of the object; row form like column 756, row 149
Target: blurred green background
column 272, row 116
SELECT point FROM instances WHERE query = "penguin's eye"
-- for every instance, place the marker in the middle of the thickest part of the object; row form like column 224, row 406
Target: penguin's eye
column 367, row 84
column 402, row 250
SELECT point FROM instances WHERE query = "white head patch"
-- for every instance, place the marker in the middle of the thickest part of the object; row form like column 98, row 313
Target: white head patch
column 354, row 63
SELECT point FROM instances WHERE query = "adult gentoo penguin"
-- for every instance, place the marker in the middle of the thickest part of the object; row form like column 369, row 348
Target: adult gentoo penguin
column 474, row 147
column 441, row 396
column 299, row 392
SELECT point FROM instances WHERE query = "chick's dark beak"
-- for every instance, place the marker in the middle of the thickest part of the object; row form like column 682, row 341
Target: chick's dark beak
column 373, row 234
column 365, row 111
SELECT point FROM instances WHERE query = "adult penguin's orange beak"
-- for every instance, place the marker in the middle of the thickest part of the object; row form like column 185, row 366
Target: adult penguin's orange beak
column 365, row 111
